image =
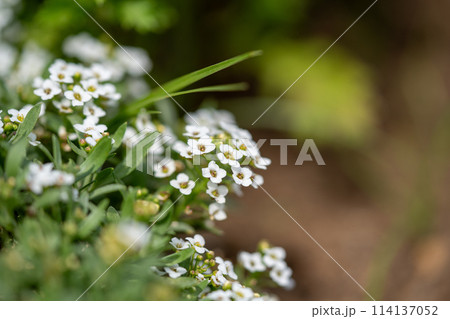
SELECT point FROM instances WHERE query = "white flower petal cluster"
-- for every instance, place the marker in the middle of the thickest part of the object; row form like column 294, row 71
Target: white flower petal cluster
column 183, row 183
column 119, row 62
column 133, row 234
column 272, row 260
column 175, row 271
column 41, row 176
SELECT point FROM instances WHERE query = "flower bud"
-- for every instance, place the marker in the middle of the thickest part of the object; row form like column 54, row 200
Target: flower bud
column 88, row 149
column 163, row 196
column 263, row 245
column 199, row 257
column 83, row 142
column 6, row 119
column 210, row 254
column 226, row 286
column 142, row 192
column 188, row 211
column 9, row 127
column 145, row 209
column 212, row 262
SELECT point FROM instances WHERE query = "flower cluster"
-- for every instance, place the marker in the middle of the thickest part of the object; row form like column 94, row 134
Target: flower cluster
column 74, row 87
column 41, row 176
column 272, row 260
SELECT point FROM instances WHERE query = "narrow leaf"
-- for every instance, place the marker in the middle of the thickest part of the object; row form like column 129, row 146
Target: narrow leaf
column 96, row 159
column 28, row 123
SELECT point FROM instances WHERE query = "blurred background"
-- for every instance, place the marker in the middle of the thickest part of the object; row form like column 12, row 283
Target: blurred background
column 376, row 105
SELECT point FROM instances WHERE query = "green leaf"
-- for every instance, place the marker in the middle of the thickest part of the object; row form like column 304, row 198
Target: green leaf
column 76, row 149
column 15, row 157
column 103, row 177
column 136, row 155
column 28, row 123
column 56, row 152
column 118, row 136
column 177, row 257
column 107, row 190
column 94, row 219
column 177, row 84
column 96, row 158
column 215, row 88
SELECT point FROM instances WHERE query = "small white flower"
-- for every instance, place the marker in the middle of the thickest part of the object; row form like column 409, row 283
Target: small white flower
column 61, row 76
column 90, row 127
column 164, row 168
column 100, row 72
column 214, row 172
column 281, row 274
column 64, row 106
column 229, row 155
column 109, row 92
column 182, row 149
column 37, row 82
column 261, row 162
column 39, row 177
column 130, row 137
column 218, row 279
column 48, row 90
column 245, row 146
column 242, row 176
column 18, row 115
column 218, row 192
column 78, row 96
column 90, row 109
column 251, row 261
column 216, row 212
column 196, row 131
column 183, row 183
column 179, row 244
column 201, row 146
column 143, row 122
column 273, row 255
column 92, row 87
column 220, row 295
column 257, row 180
column 175, row 271
column 226, row 267
column 240, row 292
column 200, row 277
column 32, row 139
column 198, row 242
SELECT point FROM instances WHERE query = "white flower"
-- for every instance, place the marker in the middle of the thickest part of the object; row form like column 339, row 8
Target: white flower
column 257, row 180
column 242, row 176
column 39, row 177
column 216, row 212
column 183, row 183
column 201, row 146
column 32, row 139
column 90, row 109
column 134, row 60
column 182, row 149
column 48, row 90
column 261, row 162
column 143, row 122
column 214, row 172
column 246, row 147
column 175, row 271
column 61, row 74
column 229, row 155
column 251, row 261
column 198, row 242
column 218, row 192
column 37, row 82
column 196, row 131
column 85, row 47
column 273, row 255
column 157, row 271
column 281, row 274
column 164, row 168
column 64, row 106
column 240, row 292
column 92, row 87
column 78, row 96
column 133, row 234
column 130, row 138
column 179, row 244
column 90, row 127
column 18, row 116
column 226, row 267
column 100, row 72
column 220, row 295
column 218, row 279
column 109, row 92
